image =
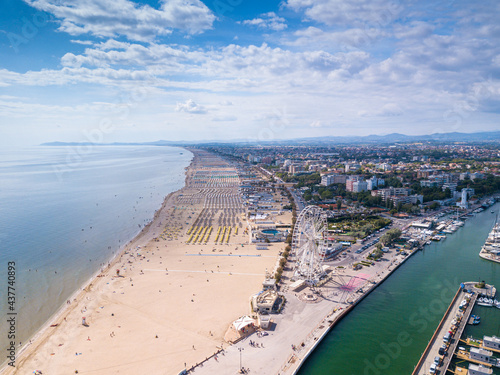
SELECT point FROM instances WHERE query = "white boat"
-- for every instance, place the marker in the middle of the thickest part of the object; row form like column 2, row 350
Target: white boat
column 484, row 302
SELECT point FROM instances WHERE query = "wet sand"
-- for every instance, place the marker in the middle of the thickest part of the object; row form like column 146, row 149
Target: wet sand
column 171, row 303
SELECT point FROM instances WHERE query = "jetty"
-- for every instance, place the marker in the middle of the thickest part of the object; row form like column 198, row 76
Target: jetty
column 491, row 248
column 489, row 343
column 444, row 341
column 473, row 370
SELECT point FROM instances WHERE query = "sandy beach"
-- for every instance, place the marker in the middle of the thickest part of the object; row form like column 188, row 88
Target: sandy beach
column 167, row 302
column 163, row 304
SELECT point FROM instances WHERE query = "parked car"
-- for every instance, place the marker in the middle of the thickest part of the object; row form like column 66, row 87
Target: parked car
column 432, row 369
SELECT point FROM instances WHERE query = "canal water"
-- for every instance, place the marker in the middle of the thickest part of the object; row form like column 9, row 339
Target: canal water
column 389, row 330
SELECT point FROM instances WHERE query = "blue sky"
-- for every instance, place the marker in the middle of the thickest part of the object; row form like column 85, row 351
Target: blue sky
column 130, row 70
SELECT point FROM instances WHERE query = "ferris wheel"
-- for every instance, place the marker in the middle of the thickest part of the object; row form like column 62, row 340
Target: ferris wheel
column 309, row 244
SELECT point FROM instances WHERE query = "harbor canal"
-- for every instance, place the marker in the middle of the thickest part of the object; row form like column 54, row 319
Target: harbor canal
column 389, row 330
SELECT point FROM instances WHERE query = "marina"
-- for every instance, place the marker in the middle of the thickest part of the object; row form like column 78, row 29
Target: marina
column 443, row 344
column 435, row 272
column 491, row 248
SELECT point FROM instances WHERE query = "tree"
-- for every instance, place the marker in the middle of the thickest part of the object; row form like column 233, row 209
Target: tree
column 399, row 206
column 433, row 205
column 390, row 236
column 395, row 232
column 326, row 194
column 367, row 228
column 339, row 204
column 376, row 254
column 307, row 195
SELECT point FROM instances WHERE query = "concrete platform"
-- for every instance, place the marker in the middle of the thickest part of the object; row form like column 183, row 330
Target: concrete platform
column 453, row 313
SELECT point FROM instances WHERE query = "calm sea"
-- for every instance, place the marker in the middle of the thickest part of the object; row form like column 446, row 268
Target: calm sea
column 388, row 331
column 64, row 212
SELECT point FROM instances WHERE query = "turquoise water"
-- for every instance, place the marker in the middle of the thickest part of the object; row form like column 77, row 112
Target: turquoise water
column 65, row 212
column 388, row 331
column 270, row 231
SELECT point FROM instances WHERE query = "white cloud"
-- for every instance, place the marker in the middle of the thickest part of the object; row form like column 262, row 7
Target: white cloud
column 224, row 118
column 268, row 21
column 22, row 107
column 153, row 56
column 261, row 63
column 233, row 67
column 386, row 110
column 84, row 42
column 409, row 72
column 353, row 13
column 345, row 40
column 190, row 107
column 390, row 109
column 112, row 18
column 416, row 29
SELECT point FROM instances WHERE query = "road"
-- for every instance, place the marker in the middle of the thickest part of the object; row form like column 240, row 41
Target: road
column 299, row 201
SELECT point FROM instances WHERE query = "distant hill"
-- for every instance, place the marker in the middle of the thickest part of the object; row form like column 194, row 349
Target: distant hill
column 368, row 139
column 396, row 137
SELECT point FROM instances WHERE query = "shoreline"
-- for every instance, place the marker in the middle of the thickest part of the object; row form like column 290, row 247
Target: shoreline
column 77, row 295
column 164, row 307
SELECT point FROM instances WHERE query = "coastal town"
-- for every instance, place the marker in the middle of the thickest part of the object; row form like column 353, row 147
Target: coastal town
column 223, row 187
column 264, row 250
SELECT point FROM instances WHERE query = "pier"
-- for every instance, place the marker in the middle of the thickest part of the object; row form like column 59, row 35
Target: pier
column 454, row 321
column 479, row 344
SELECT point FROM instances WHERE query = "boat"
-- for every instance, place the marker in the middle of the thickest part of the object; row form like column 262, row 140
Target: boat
column 491, row 247
column 484, row 302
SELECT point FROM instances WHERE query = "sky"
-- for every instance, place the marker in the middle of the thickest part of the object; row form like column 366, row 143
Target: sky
column 130, row 70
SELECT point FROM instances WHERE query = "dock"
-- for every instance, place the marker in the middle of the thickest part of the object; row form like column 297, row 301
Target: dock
column 459, row 371
column 454, row 321
column 479, row 344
